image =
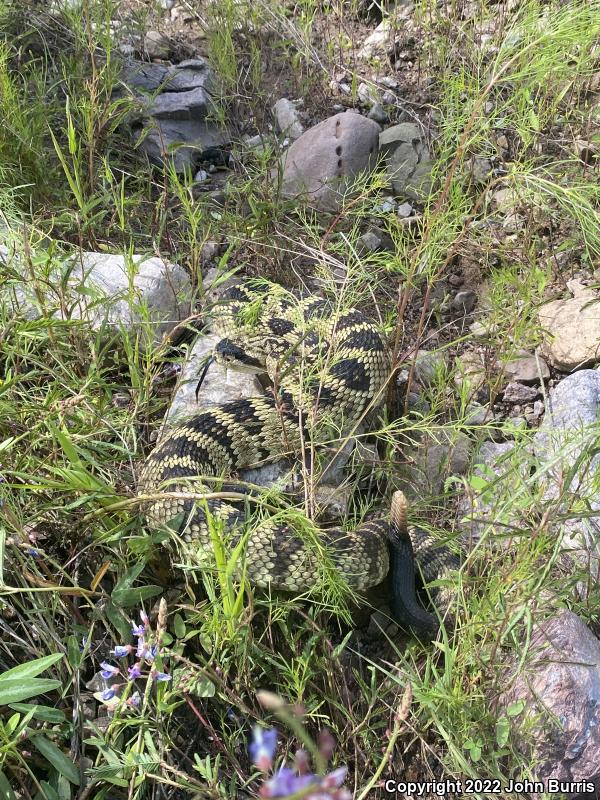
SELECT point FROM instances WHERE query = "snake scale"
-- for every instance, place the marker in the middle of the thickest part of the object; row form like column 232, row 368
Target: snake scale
column 329, row 368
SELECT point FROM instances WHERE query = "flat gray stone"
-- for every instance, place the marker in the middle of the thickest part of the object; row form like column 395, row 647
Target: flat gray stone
column 519, row 393
column 149, row 78
column 320, row 165
column 408, row 160
column 527, row 368
column 192, row 104
column 184, row 142
column 560, row 689
column 178, row 113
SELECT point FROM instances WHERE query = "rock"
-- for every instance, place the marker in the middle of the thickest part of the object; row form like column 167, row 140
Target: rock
column 148, row 78
column 567, row 435
column 481, row 169
column 387, row 205
column 191, row 104
column 482, row 330
column 538, row 408
column 404, row 210
column 487, row 504
column 559, row 686
column 434, row 462
column 464, row 302
column 408, row 160
column 201, row 176
column 519, row 393
column 332, row 502
column 156, row 45
column 470, row 367
column 321, row 164
column 476, row 414
column 109, row 288
column 178, row 118
column 526, row 368
column 183, row 143
column 571, row 331
column 378, row 41
column 288, row 118
column 365, row 94
column 378, row 113
column 220, row 385
column 375, row 240
column 429, row 365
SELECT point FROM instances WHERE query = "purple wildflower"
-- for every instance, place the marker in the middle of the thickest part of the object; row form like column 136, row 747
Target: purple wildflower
column 160, row 676
column 134, row 671
column 142, row 650
column 122, row 650
column 134, row 701
column 108, row 670
column 138, row 630
column 334, row 779
column 151, row 652
column 31, row 551
column 286, row 782
column 262, row 747
column 108, row 694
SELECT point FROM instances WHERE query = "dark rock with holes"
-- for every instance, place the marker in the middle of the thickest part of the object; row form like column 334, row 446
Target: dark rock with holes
column 319, row 166
column 177, row 113
column 559, row 689
column 408, row 160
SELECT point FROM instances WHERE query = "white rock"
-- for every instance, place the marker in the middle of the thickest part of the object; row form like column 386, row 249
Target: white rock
column 571, row 331
column 379, row 40
column 288, row 119
column 109, row 288
column 220, row 385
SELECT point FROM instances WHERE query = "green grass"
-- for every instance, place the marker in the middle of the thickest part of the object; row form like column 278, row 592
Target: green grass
column 70, row 446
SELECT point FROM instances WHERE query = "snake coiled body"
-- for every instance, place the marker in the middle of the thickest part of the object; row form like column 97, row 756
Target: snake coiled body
column 329, row 369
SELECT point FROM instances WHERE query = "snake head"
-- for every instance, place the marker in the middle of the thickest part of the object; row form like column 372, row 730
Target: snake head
column 229, row 354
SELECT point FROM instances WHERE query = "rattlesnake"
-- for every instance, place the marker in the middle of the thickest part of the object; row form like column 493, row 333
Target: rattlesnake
column 329, row 367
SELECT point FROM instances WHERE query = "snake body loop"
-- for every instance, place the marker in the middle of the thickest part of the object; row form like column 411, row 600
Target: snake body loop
column 326, row 365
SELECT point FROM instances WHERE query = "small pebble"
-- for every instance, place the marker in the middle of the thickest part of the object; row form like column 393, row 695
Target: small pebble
column 464, row 302
column 378, row 113
column 404, row 210
column 201, row 176
column 519, row 393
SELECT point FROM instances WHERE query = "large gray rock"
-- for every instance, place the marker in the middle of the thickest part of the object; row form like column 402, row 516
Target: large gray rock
column 320, row 165
column 488, row 506
column 408, row 160
column 560, row 688
column 569, row 432
column 178, row 112
column 220, row 385
column 183, row 142
column 122, row 291
column 572, row 331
